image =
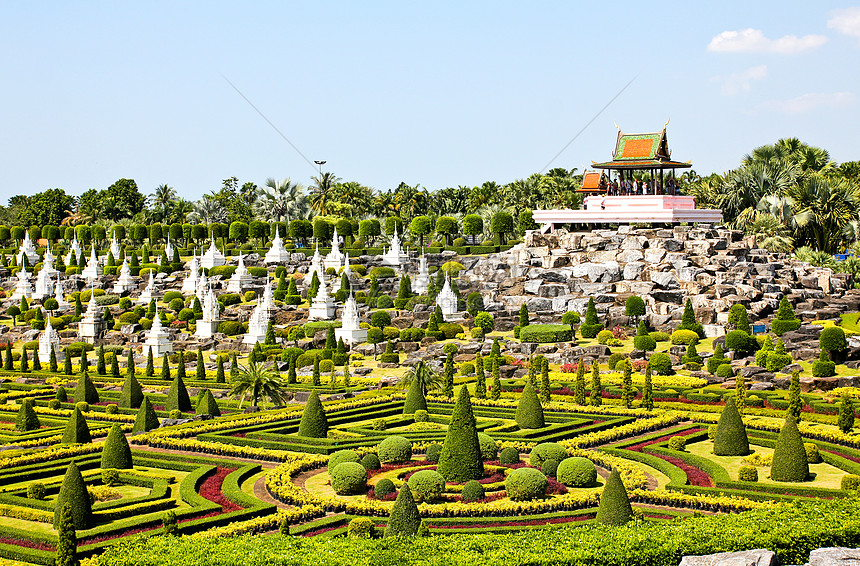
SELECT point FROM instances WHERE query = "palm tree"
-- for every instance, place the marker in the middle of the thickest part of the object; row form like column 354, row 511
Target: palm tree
column 430, row 380
column 283, row 200
column 322, row 192
column 355, row 197
column 824, row 207
column 163, row 197
column 208, row 210
column 258, row 382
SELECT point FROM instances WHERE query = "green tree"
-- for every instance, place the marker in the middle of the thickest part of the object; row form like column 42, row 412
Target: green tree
column 314, row 423
column 449, row 375
column 614, row 508
column 420, row 226
column 846, row 414
column 795, row 403
column 647, row 392
column 596, row 396
column 496, row 392
column 116, row 452
column 404, row 519
column 67, row 539
column 481, row 383
column 529, row 413
column 122, row 200
column 257, row 382
column 48, row 207
column 73, row 492
column 460, row 459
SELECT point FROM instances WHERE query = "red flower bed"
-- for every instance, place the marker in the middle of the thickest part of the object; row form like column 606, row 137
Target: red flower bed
column 695, row 476
column 28, row 543
column 555, row 487
column 534, row 523
column 211, row 490
column 371, row 494
column 388, row 467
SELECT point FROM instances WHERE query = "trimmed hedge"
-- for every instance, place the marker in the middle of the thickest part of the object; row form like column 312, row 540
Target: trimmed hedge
column 525, row 484
column 544, row 333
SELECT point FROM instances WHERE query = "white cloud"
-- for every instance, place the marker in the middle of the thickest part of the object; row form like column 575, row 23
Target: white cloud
column 846, row 22
column 737, row 83
column 753, row 41
column 809, row 101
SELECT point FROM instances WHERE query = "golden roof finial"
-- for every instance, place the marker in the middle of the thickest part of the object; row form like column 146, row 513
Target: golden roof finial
column 666, row 124
column 616, row 125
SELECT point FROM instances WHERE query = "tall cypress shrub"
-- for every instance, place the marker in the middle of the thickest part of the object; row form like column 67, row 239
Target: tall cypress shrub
column 73, row 492
column 314, row 423
column 460, row 459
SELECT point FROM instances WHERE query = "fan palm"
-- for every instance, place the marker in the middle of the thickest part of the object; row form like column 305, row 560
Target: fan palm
column 258, row 382
column 283, row 200
column 163, row 197
column 322, row 193
column 824, row 207
column 430, row 380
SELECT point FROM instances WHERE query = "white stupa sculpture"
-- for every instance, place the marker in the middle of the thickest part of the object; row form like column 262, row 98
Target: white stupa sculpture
column 422, row 281
column 316, row 266
column 114, row 247
column 44, row 286
column 75, row 247
column 168, row 249
column 213, row 257
column 91, row 325
column 447, row 300
column 208, row 325
column 157, row 338
column 202, row 288
column 28, row 249
column 268, row 298
column 189, row 286
column 48, row 261
column 126, row 282
column 323, row 306
column 334, row 258
column 150, row 291
column 277, row 253
column 50, row 340
column 351, row 330
column 240, row 279
column 395, row 255
column 23, row 287
column 93, row 270
column 347, row 270
column 60, row 296
column 257, row 325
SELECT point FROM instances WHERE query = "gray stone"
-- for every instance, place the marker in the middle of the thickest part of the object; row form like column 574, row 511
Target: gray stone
column 665, row 279
column 633, row 270
column 758, row 557
column 834, row 556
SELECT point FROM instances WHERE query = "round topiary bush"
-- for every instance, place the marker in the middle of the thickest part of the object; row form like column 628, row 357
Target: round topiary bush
column 524, row 484
column 384, row 302
column 360, row 527
column 677, row 443
column 489, row 448
column 645, row 343
column 509, row 455
column 426, row 485
column 380, row 319
column 348, row 478
column 433, row 452
column 850, row 482
column 661, row 364
column 383, row 487
column 613, row 360
column 421, row 416
column 549, row 467
column 394, row 450
column 342, row 456
column 813, row 456
column 740, row 341
column 725, row 371
column 577, row 471
column 473, row 491
column 684, row 337
column 748, row 473
column 604, row 336
column 370, row 461
column 546, row 451
column 832, row 339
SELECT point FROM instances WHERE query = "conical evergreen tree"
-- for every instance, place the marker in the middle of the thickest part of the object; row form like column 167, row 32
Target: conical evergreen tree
column 291, row 372
column 404, row 519
column 85, row 361
column 25, row 365
column 219, row 376
column 114, row 365
column 201, row 366
column 481, row 385
column 180, row 367
column 67, row 538
column 614, row 508
column 315, row 375
column 100, row 363
column 415, row 400
column 37, row 363
column 86, row 390
column 545, row 394
column 177, row 397
column 67, row 365
column 165, row 367
column 77, row 431
column 731, row 438
column 579, row 383
column 73, row 492
column 206, row 404
column 789, row 457
column 648, row 392
column 314, row 423
column 8, row 359
column 132, row 393
column 795, row 403
column 529, row 411
column 116, row 452
column 150, row 364
column 234, row 367
column 497, row 380
column 146, row 419
column 449, row 374
column 460, row 459
column 596, row 396
column 26, row 418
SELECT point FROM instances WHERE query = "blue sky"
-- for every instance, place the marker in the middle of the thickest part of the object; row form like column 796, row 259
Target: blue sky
column 441, row 94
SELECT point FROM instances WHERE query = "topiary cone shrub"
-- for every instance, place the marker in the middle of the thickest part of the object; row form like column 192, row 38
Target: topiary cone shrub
column 789, row 456
column 74, row 492
column 314, row 423
column 146, row 419
column 731, row 437
column 404, row 518
column 785, row 320
column 86, row 390
column 415, row 400
column 116, row 452
column 460, row 459
column 206, row 404
column 529, row 413
column 26, row 418
column 177, row 396
column 77, row 431
column 132, row 393
column 614, row 508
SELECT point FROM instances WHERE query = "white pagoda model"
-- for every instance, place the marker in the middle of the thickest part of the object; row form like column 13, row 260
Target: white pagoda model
column 277, row 253
column 351, row 330
column 202, row 288
column 50, row 340
column 28, row 249
column 149, row 292
column 334, row 258
column 322, row 307
column 447, row 300
column 257, row 325
column 48, row 262
column 126, row 282
column 268, row 298
column 422, row 281
column 347, row 270
column 74, row 247
column 60, row 296
column 23, row 287
column 395, row 255
column 316, row 266
column 156, row 338
column 91, row 325
column 114, row 247
column 240, row 279
column 189, row 286
column 93, row 270
column 212, row 257
column 44, row 286
column 208, row 325
column 168, row 249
